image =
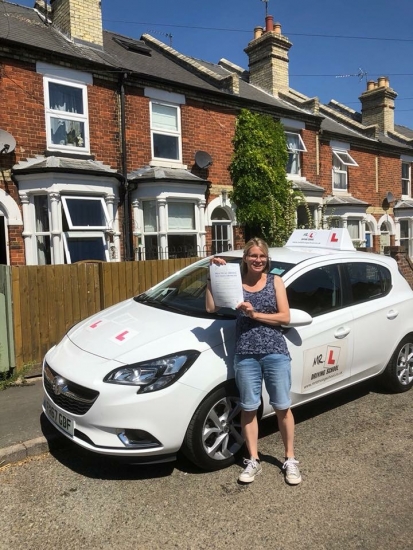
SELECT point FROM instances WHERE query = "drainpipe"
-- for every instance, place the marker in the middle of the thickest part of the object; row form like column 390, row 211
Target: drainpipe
column 126, row 202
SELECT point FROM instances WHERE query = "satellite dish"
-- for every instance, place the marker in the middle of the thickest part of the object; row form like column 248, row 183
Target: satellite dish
column 203, row 159
column 7, row 142
column 389, row 197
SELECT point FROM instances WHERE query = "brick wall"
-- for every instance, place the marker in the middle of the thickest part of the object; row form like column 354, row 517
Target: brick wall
column 403, row 261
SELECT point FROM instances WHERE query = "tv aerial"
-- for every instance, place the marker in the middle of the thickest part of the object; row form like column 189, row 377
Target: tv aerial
column 266, row 6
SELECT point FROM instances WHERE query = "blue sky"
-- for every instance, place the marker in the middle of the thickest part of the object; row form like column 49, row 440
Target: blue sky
column 369, row 36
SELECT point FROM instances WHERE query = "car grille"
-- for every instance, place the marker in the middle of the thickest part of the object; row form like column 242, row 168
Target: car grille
column 67, row 395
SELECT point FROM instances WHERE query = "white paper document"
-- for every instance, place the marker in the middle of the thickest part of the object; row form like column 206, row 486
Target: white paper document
column 226, row 285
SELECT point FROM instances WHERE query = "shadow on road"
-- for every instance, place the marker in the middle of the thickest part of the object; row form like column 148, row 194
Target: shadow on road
column 96, row 466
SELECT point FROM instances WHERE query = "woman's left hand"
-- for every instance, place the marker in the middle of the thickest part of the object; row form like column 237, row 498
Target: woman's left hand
column 247, row 309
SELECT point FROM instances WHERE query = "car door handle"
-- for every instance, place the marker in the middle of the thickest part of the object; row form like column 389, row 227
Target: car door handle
column 342, row 332
column 392, row 314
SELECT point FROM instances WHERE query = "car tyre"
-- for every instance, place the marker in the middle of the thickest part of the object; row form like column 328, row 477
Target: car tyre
column 398, row 375
column 213, row 437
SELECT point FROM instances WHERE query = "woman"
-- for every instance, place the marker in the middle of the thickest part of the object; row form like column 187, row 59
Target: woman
column 261, row 353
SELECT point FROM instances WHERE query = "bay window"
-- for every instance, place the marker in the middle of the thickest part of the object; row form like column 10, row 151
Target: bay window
column 170, row 229
column 406, row 236
column 42, row 229
column 85, row 220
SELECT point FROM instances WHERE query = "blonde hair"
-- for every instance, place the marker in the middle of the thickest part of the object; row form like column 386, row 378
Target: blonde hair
column 263, row 246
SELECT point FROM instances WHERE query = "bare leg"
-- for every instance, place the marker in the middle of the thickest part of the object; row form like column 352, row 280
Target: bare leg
column 249, row 425
column 286, row 427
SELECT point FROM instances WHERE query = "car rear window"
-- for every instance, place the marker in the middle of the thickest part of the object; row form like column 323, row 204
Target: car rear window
column 368, row 281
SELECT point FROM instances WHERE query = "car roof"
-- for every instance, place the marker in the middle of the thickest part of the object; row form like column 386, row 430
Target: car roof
column 297, row 255
column 314, row 244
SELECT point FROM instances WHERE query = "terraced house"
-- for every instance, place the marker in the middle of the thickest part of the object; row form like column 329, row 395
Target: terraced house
column 114, row 148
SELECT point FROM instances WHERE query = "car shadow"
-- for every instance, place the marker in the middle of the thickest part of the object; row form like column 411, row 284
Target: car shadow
column 97, row 466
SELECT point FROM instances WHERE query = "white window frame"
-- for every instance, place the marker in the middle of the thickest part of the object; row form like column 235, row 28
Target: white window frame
column 177, row 231
column 408, row 180
column 85, row 198
column 65, row 115
column 84, row 235
column 344, row 158
column 177, row 134
column 296, row 151
column 36, row 233
column 407, row 241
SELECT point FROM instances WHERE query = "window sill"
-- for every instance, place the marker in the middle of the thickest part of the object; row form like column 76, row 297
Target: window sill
column 168, row 164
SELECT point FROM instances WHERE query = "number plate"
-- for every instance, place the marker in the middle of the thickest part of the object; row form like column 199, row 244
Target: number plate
column 59, row 419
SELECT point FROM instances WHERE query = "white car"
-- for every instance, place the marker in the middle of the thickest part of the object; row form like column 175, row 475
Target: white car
column 152, row 376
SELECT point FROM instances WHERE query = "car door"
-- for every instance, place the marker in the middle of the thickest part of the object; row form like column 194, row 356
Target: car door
column 321, row 352
column 378, row 322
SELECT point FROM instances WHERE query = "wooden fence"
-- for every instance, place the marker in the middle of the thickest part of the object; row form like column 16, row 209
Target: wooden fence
column 48, row 300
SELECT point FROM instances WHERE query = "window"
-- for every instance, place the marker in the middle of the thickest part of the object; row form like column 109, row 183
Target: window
column 42, row 229
column 317, row 291
column 295, row 146
column 66, row 115
column 82, row 217
column 179, row 239
column 406, row 236
column 406, row 179
column 368, row 281
column 221, row 231
column 341, row 160
column 353, row 227
column 165, row 131
column 85, row 212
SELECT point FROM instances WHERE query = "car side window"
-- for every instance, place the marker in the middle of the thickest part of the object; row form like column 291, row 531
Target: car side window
column 368, row 281
column 316, row 292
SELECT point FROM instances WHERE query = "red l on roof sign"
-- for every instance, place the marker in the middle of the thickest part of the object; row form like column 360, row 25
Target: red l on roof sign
column 333, row 239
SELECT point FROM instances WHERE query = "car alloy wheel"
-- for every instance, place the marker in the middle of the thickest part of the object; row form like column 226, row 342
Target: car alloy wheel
column 214, row 434
column 398, row 376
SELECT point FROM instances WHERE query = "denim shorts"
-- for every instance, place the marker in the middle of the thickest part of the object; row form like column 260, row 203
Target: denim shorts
column 274, row 369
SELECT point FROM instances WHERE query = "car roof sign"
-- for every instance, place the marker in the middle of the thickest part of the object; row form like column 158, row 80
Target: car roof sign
column 330, row 239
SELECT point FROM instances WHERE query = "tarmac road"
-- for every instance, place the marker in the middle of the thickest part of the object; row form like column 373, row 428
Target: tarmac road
column 356, row 454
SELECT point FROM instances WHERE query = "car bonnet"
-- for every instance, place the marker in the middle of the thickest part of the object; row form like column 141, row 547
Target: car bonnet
column 131, row 331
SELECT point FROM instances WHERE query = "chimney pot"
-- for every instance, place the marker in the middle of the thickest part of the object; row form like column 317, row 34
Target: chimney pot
column 370, row 85
column 258, row 32
column 277, row 28
column 269, row 23
column 381, row 82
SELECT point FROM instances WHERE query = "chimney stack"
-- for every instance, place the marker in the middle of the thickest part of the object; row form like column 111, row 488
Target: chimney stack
column 268, row 58
column 80, row 20
column 377, row 104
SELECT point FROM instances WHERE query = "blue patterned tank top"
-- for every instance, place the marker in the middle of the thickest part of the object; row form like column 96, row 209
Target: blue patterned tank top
column 254, row 337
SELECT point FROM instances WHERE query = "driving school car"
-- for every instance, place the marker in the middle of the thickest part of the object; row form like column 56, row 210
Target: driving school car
column 152, row 376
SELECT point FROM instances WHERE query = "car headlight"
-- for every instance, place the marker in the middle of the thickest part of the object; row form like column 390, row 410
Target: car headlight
column 154, row 374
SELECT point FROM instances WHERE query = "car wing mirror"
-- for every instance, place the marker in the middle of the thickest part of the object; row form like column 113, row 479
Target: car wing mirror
column 298, row 318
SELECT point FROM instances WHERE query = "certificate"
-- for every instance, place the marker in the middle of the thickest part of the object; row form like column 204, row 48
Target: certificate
column 226, row 285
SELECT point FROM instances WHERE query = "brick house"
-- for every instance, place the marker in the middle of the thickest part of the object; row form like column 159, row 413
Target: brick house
column 116, row 148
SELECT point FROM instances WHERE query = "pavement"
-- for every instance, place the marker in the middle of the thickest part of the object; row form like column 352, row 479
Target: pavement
column 24, row 429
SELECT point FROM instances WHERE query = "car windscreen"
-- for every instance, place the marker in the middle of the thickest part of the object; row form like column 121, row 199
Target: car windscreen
column 184, row 292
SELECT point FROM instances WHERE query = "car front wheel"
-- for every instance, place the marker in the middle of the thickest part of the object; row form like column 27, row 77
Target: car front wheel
column 214, row 434
column 398, row 376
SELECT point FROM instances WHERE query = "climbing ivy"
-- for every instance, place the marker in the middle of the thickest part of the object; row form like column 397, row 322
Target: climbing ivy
column 265, row 200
